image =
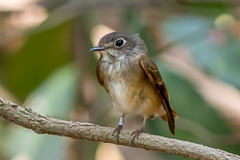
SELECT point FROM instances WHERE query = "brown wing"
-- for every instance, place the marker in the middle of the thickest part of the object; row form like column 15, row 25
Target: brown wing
column 100, row 79
column 154, row 76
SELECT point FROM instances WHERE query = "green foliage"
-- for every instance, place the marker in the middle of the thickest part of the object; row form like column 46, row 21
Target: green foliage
column 56, row 96
column 218, row 55
column 42, row 53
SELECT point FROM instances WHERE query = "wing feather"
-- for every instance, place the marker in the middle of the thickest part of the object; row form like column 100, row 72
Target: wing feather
column 99, row 77
column 154, row 76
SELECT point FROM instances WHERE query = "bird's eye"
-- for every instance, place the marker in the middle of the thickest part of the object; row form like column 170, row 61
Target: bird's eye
column 120, row 42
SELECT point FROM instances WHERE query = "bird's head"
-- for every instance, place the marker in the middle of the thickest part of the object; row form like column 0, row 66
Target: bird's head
column 119, row 44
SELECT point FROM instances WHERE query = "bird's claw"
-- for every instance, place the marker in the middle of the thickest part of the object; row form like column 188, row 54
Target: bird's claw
column 136, row 134
column 117, row 130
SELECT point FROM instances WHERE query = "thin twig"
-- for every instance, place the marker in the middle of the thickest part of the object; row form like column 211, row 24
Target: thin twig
column 42, row 124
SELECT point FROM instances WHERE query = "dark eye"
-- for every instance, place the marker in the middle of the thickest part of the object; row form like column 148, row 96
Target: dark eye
column 120, row 42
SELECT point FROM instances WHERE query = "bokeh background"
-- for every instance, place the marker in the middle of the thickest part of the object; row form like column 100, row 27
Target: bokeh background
column 45, row 64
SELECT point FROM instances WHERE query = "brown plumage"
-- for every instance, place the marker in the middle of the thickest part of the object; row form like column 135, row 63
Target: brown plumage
column 132, row 80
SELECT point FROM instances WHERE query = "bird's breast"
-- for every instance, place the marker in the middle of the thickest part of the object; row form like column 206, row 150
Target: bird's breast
column 128, row 87
column 121, row 78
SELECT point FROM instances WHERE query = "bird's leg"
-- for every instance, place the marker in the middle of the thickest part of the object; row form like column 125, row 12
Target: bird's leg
column 119, row 127
column 136, row 133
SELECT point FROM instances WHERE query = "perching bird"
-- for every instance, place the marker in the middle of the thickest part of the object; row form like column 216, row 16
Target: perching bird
column 132, row 80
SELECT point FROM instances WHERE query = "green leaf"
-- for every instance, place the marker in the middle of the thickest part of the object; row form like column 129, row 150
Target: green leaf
column 55, row 97
column 41, row 54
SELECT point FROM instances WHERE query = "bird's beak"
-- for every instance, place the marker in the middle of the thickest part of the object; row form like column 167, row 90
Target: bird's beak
column 98, row 48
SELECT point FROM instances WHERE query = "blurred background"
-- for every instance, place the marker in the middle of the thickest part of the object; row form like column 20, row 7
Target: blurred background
column 45, row 64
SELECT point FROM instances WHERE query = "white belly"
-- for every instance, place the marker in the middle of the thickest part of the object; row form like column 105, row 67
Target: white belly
column 131, row 97
column 119, row 94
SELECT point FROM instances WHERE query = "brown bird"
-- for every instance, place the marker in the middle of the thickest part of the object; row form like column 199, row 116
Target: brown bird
column 132, row 80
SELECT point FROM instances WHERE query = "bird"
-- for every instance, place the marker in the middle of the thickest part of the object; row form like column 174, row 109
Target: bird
column 133, row 80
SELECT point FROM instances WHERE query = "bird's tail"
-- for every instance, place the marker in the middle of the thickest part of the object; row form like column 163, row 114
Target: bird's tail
column 175, row 115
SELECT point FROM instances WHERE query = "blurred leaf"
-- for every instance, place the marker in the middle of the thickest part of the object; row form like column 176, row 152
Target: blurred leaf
column 203, row 5
column 41, row 54
column 220, row 59
column 217, row 52
column 187, row 28
column 55, row 96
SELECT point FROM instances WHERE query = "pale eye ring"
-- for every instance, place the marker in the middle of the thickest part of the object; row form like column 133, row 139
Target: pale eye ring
column 120, row 42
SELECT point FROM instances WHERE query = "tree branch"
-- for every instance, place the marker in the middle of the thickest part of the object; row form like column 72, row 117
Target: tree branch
column 41, row 124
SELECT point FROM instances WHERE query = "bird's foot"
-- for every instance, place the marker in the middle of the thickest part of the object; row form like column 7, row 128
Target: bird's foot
column 136, row 134
column 117, row 130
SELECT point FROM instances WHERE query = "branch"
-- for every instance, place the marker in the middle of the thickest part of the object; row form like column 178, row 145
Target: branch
column 42, row 124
